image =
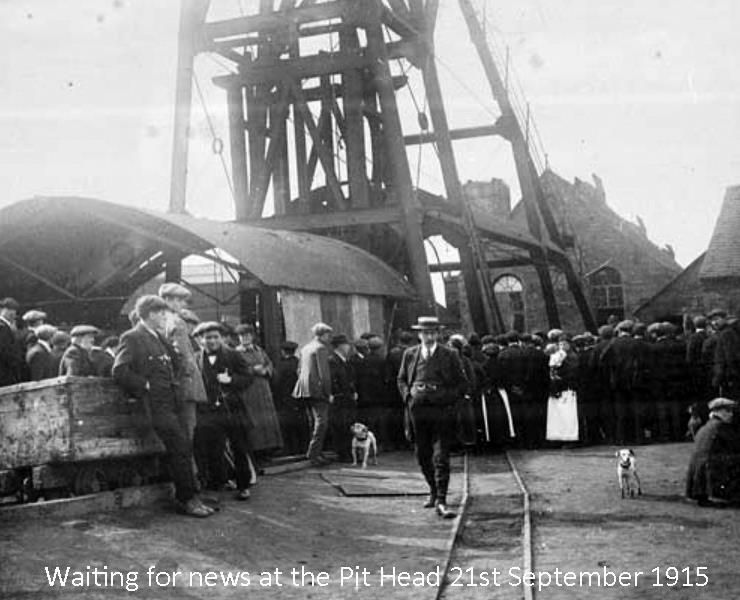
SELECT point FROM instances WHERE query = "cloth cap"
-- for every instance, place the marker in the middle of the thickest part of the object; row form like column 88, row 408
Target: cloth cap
column 320, row 329
column 700, row 322
column 80, row 330
column 10, row 303
column 512, row 337
column 639, row 329
column 427, row 324
column 717, row 312
column 627, row 326
column 244, row 329
column 406, row 337
column 149, row 304
column 554, row 334
column 718, row 403
column 60, row 337
column 208, row 326
column 289, row 346
column 174, row 290
column 362, row 344
column 45, row 332
column 34, row 315
column 606, row 332
column 375, row 343
column 488, row 339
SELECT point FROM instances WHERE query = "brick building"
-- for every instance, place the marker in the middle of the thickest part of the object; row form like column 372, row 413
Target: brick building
column 618, row 264
column 712, row 280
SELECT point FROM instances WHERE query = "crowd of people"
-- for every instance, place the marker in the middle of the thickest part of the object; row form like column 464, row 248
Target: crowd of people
column 222, row 407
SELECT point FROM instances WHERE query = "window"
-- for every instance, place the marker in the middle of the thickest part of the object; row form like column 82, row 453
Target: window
column 607, row 294
column 509, row 293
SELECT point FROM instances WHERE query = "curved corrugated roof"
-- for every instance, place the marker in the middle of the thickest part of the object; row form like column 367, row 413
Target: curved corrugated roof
column 67, row 248
column 299, row 260
column 723, row 255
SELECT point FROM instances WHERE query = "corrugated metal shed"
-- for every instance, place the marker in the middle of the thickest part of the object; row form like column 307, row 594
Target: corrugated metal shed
column 722, row 259
column 71, row 248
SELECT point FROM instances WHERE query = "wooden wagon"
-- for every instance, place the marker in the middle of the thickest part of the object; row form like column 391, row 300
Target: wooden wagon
column 73, row 434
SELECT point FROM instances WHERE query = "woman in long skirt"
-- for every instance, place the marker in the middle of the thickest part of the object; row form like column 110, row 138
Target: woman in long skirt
column 265, row 435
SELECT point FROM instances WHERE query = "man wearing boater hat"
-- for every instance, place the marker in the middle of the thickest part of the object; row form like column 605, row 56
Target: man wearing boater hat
column 430, row 381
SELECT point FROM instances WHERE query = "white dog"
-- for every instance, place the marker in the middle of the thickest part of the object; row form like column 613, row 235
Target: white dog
column 363, row 441
column 629, row 481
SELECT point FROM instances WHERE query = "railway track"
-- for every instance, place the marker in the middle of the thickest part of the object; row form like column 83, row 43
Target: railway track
column 491, row 542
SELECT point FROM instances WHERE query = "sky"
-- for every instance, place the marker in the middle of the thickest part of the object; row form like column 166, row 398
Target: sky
column 646, row 94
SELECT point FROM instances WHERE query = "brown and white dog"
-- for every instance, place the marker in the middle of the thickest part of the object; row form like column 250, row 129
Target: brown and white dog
column 629, row 481
column 363, row 442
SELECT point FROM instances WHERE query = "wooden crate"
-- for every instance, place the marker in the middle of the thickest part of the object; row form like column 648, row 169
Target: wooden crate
column 71, row 419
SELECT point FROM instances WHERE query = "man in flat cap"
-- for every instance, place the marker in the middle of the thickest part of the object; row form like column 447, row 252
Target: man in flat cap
column 314, row 386
column 12, row 355
column 177, row 333
column 713, row 477
column 620, row 363
column 32, row 320
column 76, row 360
column 224, row 416
column 146, row 367
column 431, row 381
column 60, row 341
column 671, row 382
column 39, row 359
column 344, row 391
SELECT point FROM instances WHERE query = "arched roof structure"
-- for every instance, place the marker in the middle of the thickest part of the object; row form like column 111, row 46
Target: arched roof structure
column 65, row 250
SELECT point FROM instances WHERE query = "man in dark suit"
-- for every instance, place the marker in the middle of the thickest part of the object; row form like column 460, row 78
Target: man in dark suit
column 40, row 362
column 670, row 382
column 76, row 359
column 146, row 367
column 223, row 417
column 344, row 389
column 695, row 359
column 619, row 362
column 314, row 387
column 12, row 356
column 291, row 411
column 104, row 356
column 514, row 367
column 430, row 381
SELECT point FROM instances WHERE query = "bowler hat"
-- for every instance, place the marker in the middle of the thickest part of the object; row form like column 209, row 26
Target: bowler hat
column 174, row 290
column 339, row 339
column 289, row 346
column 427, row 324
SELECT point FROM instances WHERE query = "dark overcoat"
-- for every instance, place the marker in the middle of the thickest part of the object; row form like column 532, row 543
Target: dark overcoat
column 714, row 468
